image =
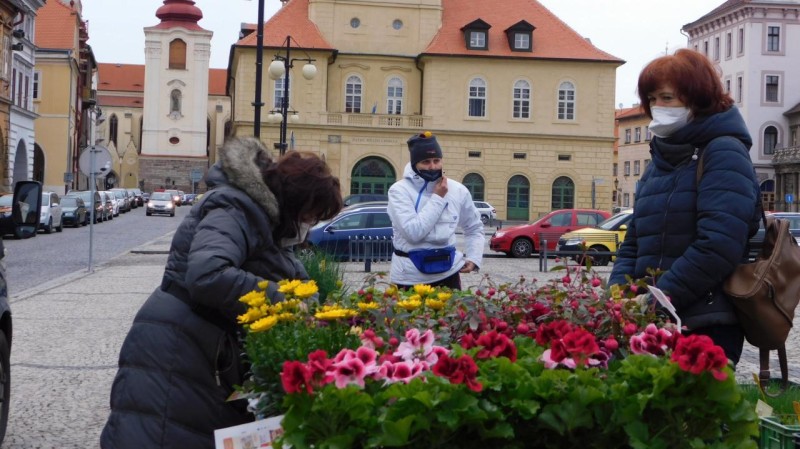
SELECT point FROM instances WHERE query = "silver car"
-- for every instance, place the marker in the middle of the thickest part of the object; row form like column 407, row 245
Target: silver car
column 160, row 203
column 51, row 213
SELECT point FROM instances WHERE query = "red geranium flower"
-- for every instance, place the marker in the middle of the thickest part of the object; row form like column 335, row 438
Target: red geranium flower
column 496, row 345
column 552, row 331
column 578, row 345
column 459, row 371
column 698, row 353
column 296, row 377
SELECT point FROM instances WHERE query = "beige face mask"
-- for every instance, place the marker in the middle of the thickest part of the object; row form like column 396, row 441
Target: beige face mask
column 299, row 238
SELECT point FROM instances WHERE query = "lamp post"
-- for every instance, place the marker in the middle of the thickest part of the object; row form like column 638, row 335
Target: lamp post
column 257, row 103
column 278, row 68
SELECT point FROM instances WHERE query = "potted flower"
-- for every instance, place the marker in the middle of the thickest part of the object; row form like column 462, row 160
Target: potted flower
column 563, row 364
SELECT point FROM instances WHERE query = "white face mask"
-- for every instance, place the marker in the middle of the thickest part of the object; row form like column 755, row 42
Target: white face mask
column 668, row 120
column 299, row 238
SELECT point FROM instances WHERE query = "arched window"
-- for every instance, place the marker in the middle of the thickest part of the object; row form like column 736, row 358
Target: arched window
column 394, row 96
column 522, row 99
column 474, row 183
column 566, row 101
column 770, row 139
column 175, row 102
column 372, row 175
column 177, row 54
column 518, row 198
column 352, row 94
column 477, row 98
column 563, row 193
column 113, row 125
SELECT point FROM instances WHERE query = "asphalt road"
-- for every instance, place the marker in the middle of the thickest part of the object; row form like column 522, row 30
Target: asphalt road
column 40, row 259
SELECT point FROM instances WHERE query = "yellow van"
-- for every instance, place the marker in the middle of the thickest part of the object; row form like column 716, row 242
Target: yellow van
column 604, row 239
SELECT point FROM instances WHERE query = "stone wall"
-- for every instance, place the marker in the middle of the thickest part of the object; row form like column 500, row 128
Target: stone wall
column 170, row 173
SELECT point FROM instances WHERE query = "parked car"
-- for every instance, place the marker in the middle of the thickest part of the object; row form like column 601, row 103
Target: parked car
column 758, row 239
column 364, row 197
column 50, row 213
column 123, row 198
column 110, row 201
column 27, row 197
column 333, row 236
column 99, row 206
column 488, row 213
column 603, row 239
column 524, row 240
column 145, row 198
column 74, row 211
column 188, row 198
column 136, row 198
column 19, row 212
column 160, row 203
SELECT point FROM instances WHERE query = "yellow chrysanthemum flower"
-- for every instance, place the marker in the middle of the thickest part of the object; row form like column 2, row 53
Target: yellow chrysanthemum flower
column 252, row 314
column 263, row 285
column 410, row 304
column 423, row 289
column 306, row 290
column 264, row 324
column 444, row 296
column 366, row 306
column 253, row 298
column 356, row 330
column 335, row 314
column 615, row 291
column 283, row 317
column 434, row 304
column 390, row 291
column 287, row 287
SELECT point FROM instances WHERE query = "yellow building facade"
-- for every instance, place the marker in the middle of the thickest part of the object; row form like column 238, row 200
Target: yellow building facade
column 522, row 106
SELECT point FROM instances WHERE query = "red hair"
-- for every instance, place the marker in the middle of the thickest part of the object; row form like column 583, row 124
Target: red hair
column 695, row 80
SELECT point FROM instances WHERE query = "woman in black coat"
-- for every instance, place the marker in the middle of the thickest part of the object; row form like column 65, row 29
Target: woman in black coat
column 180, row 360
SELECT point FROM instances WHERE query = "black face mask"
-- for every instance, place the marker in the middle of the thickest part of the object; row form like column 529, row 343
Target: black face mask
column 430, row 175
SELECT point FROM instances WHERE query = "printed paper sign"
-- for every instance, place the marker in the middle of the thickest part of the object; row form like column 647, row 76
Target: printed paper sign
column 254, row 435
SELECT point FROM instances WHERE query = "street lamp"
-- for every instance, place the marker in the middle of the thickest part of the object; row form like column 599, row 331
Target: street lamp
column 257, row 103
column 278, row 68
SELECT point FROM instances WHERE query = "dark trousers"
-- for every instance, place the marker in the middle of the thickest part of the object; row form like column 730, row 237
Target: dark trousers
column 728, row 337
column 453, row 282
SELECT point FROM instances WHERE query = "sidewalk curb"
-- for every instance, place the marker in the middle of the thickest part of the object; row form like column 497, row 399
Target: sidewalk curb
column 75, row 275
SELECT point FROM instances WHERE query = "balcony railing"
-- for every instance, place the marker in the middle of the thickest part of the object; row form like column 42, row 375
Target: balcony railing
column 788, row 155
column 375, row 120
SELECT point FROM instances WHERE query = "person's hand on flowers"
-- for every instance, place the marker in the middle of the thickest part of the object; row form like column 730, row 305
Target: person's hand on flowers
column 468, row 267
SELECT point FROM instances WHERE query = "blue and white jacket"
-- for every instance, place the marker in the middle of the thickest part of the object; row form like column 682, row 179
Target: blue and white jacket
column 696, row 234
column 421, row 219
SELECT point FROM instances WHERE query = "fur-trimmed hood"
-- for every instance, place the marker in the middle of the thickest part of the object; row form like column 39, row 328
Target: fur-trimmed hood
column 237, row 167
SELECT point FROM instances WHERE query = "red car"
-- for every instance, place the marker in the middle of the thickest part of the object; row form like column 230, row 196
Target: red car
column 524, row 240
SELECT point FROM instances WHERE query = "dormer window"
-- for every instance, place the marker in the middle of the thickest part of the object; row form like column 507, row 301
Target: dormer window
column 520, row 36
column 476, row 35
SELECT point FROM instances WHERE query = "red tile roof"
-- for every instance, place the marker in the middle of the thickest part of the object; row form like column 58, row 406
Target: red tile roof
column 125, row 102
column 56, row 26
column 292, row 19
column 632, row 112
column 130, row 78
column 552, row 38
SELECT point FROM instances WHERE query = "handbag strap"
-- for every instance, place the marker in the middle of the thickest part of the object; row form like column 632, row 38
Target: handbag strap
column 764, row 373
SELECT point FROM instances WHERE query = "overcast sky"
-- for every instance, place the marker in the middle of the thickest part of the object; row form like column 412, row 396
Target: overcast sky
column 633, row 30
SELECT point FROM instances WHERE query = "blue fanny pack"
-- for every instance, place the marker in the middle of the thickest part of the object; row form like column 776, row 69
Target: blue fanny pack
column 433, row 261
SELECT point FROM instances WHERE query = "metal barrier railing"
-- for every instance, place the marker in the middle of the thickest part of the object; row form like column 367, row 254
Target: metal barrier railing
column 544, row 253
column 370, row 249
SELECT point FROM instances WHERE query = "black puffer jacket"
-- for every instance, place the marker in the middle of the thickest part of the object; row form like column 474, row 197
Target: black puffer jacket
column 696, row 234
column 178, row 364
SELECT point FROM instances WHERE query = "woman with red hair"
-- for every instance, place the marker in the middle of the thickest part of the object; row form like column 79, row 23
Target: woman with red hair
column 692, row 228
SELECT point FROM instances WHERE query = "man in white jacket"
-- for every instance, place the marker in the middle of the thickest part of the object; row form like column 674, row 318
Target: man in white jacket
column 426, row 208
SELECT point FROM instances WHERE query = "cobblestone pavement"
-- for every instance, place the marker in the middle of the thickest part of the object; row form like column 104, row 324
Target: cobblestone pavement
column 67, row 335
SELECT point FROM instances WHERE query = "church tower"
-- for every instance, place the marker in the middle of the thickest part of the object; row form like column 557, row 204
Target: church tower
column 174, row 146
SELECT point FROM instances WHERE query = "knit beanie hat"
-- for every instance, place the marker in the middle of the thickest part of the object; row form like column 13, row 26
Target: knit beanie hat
column 423, row 146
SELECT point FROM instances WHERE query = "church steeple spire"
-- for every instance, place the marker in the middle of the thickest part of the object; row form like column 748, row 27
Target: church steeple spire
column 179, row 13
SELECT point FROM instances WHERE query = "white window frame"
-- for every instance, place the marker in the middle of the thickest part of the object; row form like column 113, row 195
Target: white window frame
column 626, row 168
column 277, row 90
column 772, row 76
column 567, row 101
column 477, row 39
column 637, row 134
column 521, row 100
column 522, row 41
column 740, row 41
column 739, row 87
column 716, row 48
column 477, row 94
column 353, row 94
column 627, row 135
column 728, row 45
column 764, row 141
column 394, row 95
column 637, row 165
column 768, row 41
